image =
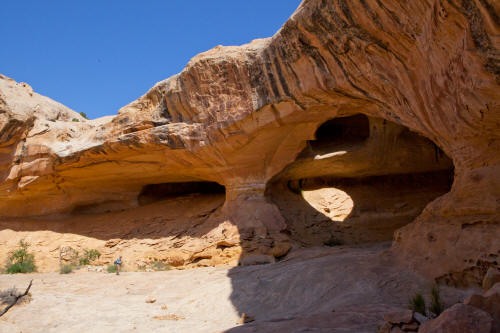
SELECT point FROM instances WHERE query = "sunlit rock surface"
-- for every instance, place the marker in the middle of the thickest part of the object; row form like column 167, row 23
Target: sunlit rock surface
column 426, row 73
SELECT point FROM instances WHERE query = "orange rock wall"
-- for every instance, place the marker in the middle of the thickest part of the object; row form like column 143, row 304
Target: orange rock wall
column 239, row 115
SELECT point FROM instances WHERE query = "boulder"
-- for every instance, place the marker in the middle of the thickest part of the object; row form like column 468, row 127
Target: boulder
column 396, row 329
column 492, row 276
column 385, row 328
column 279, row 249
column 257, row 259
column 460, row 318
column 398, row 317
column 413, row 327
column 489, row 301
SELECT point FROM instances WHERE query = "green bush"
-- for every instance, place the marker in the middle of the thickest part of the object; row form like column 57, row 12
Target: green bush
column 89, row 256
column 21, row 267
column 417, row 304
column 75, row 120
column 111, row 269
column 66, row 269
column 20, row 260
column 437, row 305
column 84, row 115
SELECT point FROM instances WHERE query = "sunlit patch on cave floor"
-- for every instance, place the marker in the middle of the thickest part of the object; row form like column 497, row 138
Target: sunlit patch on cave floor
column 331, row 202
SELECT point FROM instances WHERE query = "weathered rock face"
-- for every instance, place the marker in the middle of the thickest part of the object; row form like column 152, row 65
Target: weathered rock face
column 489, row 301
column 175, row 232
column 243, row 116
column 459, row 318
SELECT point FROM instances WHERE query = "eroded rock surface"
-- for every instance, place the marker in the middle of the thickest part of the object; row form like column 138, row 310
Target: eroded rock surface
column 459, row 318
column 304, row 293
column 489, row 301
column 426, row 73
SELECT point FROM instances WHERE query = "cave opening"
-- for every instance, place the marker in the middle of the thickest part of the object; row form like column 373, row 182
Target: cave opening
column 351, row 129
column 156, row 192
column 363, row 194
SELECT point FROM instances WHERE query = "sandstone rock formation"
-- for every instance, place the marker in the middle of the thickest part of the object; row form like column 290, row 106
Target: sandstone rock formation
column 426, row 75
column 491, row 278
column 489, row 301
column 459, row 318
column 307, row 293
column 399, row 321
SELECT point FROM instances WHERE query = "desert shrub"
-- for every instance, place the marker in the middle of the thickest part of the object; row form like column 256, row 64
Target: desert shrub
column 8, row 296
column 21, row 267
column 160, row 266
column 89, row 256
column 332, row 242
column 437, row 305
column 66, row 269
column 84, row 115
column 20, row 260
column 75, row 120
column 417, row 303
column 111, row 269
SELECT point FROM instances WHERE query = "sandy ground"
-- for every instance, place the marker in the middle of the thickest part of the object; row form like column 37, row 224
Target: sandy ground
column 341, row 289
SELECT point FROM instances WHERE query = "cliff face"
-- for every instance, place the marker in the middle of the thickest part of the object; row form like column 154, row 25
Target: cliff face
column 425, row 73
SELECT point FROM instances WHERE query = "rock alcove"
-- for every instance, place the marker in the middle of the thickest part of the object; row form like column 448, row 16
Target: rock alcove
column 360, row 180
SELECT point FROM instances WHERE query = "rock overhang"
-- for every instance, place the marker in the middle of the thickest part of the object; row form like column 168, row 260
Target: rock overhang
column 240, row 115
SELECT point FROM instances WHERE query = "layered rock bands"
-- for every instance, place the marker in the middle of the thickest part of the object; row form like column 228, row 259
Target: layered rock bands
column 369, row 114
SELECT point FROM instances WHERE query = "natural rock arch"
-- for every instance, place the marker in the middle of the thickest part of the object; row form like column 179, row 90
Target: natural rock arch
column 358, row 181
column 239, row 115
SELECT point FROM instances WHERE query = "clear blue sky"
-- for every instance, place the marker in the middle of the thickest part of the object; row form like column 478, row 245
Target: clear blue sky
column 96, row 56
